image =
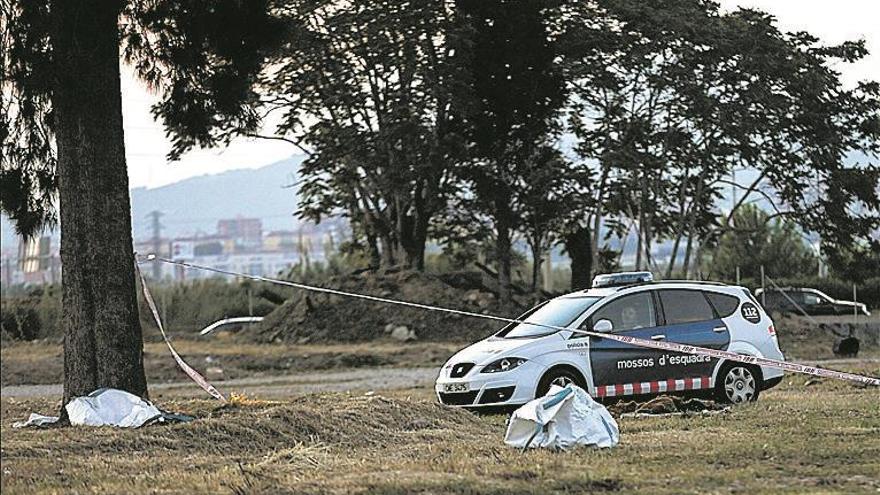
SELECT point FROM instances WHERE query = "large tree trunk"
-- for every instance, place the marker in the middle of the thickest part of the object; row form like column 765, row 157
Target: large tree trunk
column 537, row 259
column 103, row 346
column 692, row 220
column 679, row 232
column 503, row 247
column 420, row 224
column 373, row 251
column 597, row 217
column 416, row 256
column 388, row 259
column 413, row 234
column 578, row 244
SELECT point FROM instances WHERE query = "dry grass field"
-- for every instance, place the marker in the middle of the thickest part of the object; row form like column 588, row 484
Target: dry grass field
column 805, row 436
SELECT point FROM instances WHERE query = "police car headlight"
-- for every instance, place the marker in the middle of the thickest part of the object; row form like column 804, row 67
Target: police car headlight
column 503, row 364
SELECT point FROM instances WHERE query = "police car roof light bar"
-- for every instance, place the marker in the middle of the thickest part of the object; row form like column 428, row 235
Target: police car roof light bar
column 621, row 278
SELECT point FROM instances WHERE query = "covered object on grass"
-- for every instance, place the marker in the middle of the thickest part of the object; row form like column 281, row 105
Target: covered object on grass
column 564, row 418
column 108, row 407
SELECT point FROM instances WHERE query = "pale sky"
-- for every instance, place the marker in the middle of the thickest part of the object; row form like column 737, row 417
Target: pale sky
column 146, row 144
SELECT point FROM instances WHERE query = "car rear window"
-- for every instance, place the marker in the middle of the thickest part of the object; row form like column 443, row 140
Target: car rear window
column 685, row 306
column 725, row 304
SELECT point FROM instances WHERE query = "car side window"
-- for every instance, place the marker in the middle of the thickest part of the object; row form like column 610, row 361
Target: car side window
column 685, row 306
column 796, row 296
column 725, row 304
column 775, row 299
column 627, row 313
column 812, row 299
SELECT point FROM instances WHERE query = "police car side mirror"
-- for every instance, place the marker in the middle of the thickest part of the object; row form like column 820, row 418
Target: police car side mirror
column 603, row 326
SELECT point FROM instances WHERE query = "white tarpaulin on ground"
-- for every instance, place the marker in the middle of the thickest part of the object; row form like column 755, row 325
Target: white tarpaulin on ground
column 36, row 420
column 111, row 407
column 563, row 418
column 108, row 407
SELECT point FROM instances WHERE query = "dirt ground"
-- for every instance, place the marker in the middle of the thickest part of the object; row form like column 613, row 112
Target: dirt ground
column 224, row 357
column 805, row 436
column 362, row 418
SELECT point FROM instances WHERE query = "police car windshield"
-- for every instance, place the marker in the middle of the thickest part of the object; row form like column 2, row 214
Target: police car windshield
column 557, row 312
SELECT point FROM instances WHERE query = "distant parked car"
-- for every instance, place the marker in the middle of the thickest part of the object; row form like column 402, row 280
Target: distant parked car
column 814, row 302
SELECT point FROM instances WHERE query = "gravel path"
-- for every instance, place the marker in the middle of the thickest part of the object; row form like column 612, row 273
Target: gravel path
column 361, row 379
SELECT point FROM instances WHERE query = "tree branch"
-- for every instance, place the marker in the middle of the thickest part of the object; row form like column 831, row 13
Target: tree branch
column 279, row 138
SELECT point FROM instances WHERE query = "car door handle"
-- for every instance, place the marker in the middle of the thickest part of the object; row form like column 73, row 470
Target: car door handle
column 659, row 336
column 719, row 329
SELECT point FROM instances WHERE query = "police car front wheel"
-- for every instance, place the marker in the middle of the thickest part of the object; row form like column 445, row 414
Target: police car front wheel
column 738, row 383
column 560, row 376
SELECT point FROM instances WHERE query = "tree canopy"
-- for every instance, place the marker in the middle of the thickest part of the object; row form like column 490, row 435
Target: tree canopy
column 63, row 153
column 498, row 123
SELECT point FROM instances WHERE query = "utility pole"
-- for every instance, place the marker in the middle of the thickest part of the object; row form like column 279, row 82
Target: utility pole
column 154, row 217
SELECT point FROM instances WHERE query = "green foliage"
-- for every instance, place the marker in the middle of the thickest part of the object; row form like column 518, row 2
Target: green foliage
column 203, row 57
column 514, row 179
column 27, row 157
column 755, row 240
column 854, row 262
column 337, row 264
column 371, row 89
column 609, row 260
column 32, row 314
column 670, row 97
column 442, row 118
column 190, row 306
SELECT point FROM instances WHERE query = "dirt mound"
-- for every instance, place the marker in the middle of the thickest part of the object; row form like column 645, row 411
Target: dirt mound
column 251, row 428
column 310, row 317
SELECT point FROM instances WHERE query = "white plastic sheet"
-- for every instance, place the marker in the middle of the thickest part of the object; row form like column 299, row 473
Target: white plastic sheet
column 111, row 407
column 564, row 418
column 108, row 407
column 36, row 420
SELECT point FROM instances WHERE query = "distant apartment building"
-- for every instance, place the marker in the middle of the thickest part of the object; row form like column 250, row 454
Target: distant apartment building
column 246, row 234
column 281, row 241
column 235, row 247
column 238, row 245
column 38, row 262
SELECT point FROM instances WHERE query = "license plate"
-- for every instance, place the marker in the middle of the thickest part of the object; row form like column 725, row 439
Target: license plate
column 455, row 387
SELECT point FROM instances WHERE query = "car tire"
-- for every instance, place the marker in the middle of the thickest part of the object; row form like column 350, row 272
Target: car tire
column 561, row 376
column 737, row 383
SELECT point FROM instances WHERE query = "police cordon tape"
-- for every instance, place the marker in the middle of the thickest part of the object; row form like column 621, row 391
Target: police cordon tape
column 195, row 375
column 653, row 344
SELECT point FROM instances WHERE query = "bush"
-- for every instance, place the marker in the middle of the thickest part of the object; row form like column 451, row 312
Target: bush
column 32, row 315
column 185, row 307
column 191, row 306
column 19, row 320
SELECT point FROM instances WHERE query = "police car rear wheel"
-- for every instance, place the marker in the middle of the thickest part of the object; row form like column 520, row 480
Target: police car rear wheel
column 559, row 377
column 737, row 384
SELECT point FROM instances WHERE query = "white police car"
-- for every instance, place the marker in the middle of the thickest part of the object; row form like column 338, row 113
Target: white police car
column 523, row 360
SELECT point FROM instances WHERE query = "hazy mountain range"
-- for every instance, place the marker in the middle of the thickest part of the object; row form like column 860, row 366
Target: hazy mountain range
column 194, row 205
